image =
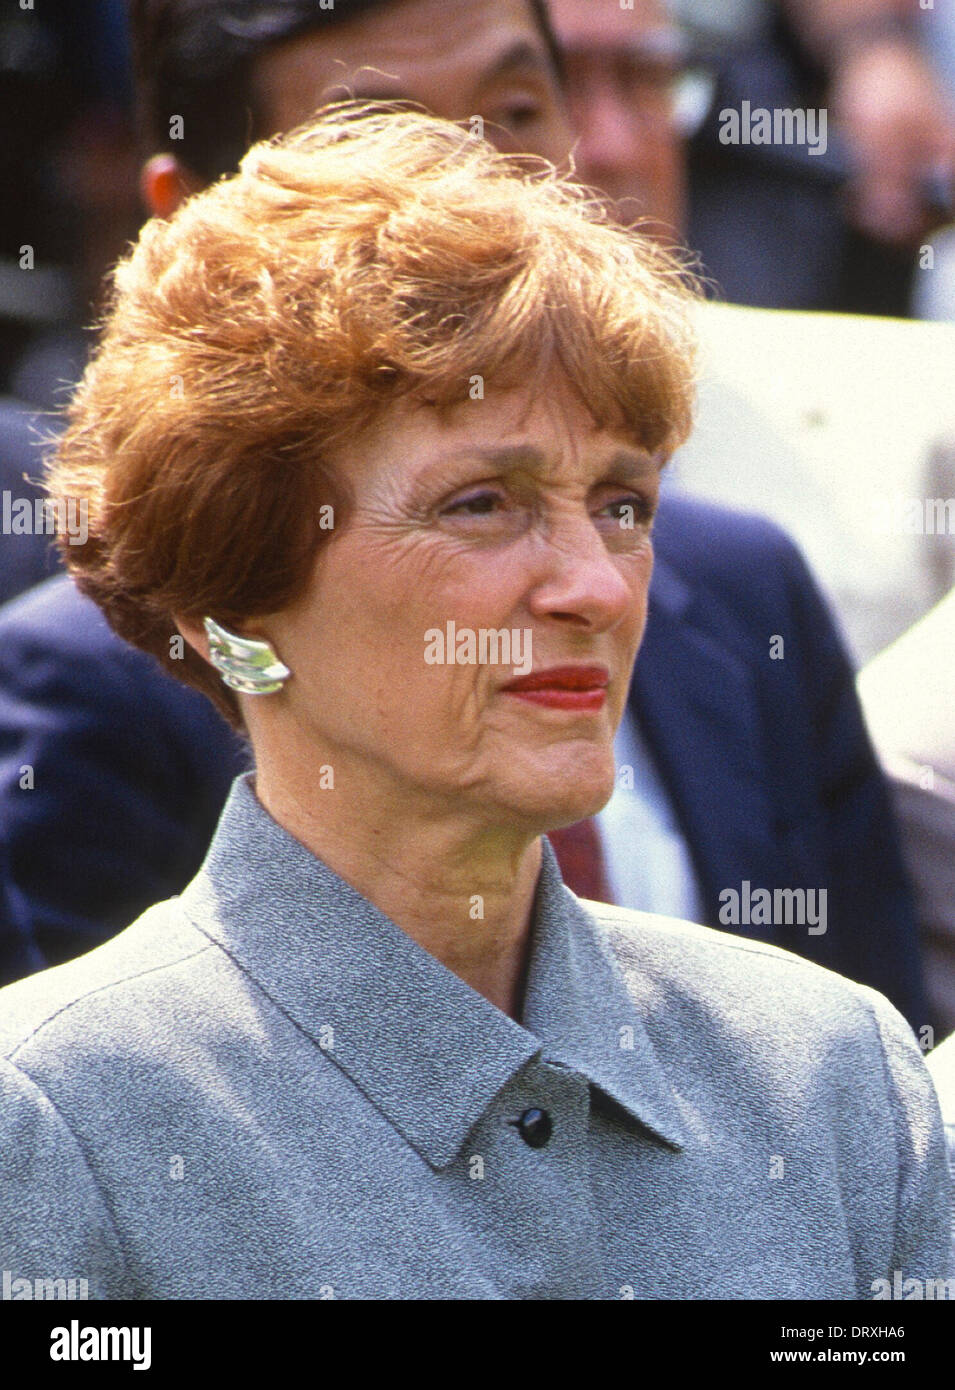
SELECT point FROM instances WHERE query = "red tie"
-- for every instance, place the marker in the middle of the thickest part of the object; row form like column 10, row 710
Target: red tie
column 580, row 856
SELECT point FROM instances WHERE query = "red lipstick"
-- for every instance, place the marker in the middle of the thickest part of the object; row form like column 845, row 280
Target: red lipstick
column 578, row 688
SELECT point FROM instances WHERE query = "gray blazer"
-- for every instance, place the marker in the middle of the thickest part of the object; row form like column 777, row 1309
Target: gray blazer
column 941, row 1064
column 266, row 1089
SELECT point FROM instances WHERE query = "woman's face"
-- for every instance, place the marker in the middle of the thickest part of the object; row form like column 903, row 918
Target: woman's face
column 514, row 515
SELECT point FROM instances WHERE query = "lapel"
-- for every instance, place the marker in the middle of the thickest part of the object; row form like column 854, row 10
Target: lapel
column 696, row 702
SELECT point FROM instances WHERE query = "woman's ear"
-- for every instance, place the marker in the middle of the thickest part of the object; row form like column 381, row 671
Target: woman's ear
column 164, row 183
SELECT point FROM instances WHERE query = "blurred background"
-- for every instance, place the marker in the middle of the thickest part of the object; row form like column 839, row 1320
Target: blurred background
column 70, row 173
column 775, row 226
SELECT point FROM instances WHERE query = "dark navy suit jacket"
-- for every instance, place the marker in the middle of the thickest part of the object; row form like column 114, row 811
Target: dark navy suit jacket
column 767, row 762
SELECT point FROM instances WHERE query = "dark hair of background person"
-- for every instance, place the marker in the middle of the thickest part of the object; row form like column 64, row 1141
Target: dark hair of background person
column 187, row 53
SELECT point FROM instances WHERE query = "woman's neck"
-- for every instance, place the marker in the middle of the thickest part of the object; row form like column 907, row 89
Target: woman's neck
column 465, row 895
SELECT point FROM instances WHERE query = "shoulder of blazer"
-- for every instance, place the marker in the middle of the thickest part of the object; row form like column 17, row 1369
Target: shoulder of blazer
column 37, row 1011
column 725, row 971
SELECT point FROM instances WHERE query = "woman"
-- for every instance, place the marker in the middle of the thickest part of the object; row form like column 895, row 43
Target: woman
column 376, row 427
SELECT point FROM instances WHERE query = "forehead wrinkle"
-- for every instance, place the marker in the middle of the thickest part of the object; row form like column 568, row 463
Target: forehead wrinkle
column 350, row 82
column 396, row 40
column 521, row 54
column 510, row 458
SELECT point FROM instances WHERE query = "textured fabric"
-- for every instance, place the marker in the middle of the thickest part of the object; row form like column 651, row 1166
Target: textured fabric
column 265, row 1089
column 766, row 763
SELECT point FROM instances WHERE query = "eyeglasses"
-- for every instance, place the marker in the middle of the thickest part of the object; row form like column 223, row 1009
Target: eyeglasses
column 652, row 74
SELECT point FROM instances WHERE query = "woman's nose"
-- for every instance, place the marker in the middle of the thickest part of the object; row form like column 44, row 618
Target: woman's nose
column 582, row 581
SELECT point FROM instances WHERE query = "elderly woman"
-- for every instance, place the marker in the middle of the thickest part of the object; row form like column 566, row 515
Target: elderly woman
column 370, row 452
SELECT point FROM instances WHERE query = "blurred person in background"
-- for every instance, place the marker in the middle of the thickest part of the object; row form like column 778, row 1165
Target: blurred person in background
column 624, row 69
column 908, row 695
column 780, row 227
column 736, row 768
column 69, row 157
column 934, row 296
column 69, row 169
column 74, row 165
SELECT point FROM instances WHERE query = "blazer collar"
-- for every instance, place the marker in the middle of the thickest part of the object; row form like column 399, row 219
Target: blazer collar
column 427, row 1050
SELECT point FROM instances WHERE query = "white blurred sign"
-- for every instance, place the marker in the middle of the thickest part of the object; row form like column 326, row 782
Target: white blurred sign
column 826, row 423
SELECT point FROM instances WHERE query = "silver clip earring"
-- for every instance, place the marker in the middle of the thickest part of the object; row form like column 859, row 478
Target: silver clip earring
column 245, row 663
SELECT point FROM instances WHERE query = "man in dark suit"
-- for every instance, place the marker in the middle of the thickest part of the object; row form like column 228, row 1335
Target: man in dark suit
column 758, row 767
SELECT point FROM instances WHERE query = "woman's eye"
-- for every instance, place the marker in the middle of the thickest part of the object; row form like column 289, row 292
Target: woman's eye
column 478, row 504
column 629, row 512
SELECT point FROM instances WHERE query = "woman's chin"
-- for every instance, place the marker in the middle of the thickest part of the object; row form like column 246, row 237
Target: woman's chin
column 551, row 805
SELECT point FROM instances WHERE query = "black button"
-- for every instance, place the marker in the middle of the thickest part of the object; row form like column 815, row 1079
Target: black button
column 535, row 1127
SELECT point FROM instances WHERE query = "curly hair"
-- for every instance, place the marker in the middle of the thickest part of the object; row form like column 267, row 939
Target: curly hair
column 371, row 255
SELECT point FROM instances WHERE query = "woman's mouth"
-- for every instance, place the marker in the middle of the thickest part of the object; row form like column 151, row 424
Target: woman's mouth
column 577, row 688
